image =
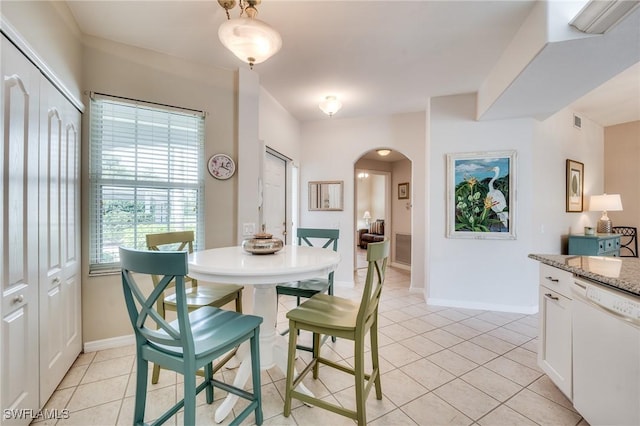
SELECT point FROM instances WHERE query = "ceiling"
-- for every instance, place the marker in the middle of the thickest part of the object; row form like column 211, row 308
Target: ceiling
column 378, row 57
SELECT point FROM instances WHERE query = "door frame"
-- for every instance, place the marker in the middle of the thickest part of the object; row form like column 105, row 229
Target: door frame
column 289, row 200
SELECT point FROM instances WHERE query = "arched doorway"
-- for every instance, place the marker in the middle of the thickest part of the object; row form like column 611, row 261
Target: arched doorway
column 382, row 205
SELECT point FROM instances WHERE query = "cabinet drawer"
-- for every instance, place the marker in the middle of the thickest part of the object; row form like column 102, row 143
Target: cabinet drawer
column 612, row 244
column 556, row 279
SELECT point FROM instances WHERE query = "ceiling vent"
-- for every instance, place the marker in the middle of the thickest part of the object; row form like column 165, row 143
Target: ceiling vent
column 577, row 122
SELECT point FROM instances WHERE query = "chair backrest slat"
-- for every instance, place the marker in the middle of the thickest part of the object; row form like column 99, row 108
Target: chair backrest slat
column 149, row 324
column 377, row 258
column 628, row 240
column 329, row 237
column 171, row 241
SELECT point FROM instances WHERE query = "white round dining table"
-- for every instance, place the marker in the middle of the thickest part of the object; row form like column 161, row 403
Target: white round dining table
column 232, row 265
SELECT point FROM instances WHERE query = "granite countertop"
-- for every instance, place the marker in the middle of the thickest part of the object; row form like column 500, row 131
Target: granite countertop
column 622, row 273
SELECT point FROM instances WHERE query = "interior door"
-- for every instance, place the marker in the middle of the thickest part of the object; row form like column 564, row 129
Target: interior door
column 18, row 235
column 274, row 198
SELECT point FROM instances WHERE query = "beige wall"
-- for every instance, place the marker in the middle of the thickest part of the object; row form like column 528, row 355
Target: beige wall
column 622, row 170
column 49, row 29
column 401, row 209
column 352, row 138
column 121, row 70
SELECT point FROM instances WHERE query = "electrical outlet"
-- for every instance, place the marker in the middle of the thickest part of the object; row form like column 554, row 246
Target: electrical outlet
column 248, row 229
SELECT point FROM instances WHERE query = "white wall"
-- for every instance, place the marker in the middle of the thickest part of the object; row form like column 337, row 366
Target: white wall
column 278, row 129
column 497, row 274
column 330, row 149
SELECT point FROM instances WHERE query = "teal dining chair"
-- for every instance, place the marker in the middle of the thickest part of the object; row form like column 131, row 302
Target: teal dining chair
column 325, row 238
column 213, row 294
column 336, row 316
column 191, row 342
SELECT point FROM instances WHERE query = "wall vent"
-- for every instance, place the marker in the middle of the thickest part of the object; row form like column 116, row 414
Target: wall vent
column 403, row 248
column 577, row 122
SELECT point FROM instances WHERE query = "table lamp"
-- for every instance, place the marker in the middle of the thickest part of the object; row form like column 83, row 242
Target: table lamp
column 604, row 203
column 366, row 217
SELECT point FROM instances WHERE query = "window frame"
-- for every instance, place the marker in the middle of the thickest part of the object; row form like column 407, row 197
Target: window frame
column 145, row 184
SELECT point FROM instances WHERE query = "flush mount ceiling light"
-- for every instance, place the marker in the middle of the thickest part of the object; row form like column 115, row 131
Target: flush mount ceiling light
column 250, row 39
column 330, row 105
column 383, row 152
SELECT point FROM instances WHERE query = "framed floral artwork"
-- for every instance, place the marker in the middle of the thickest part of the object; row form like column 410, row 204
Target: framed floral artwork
column 575, row 186
column 481, row 195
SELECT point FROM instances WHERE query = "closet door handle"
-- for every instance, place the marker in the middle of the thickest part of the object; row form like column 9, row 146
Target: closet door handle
column 18, row 299
column 551, row 296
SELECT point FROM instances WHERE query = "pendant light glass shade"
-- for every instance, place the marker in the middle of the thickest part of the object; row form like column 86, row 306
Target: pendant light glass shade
column 250, row 39
column 330, row 105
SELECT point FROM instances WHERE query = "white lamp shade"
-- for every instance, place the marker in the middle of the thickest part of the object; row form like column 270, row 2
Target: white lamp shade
column 250, row 39
column 330, row 105
column 605, row 202
column 367, row 215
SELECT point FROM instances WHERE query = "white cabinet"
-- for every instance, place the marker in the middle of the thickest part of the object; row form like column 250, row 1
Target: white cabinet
column 555, row 346
column 40, row 333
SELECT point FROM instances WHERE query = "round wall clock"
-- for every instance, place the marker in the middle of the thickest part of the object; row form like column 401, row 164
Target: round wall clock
column 221, row 166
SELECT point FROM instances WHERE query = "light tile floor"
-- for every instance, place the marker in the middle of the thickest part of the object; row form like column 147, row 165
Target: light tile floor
column 441, row 366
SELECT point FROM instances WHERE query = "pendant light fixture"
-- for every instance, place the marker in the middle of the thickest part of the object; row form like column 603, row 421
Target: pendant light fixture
column 330, row 105
column 250, row 39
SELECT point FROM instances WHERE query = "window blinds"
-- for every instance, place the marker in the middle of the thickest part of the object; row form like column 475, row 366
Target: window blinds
column 145, row 174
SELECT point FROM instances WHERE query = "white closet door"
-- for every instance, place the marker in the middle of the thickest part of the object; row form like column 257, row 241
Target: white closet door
column 60, row 334
column 19, row 170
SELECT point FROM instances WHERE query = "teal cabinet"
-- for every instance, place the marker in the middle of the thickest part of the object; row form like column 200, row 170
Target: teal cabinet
column 595, row 245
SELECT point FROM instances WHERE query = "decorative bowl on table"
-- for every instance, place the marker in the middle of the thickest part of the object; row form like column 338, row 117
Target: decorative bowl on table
column 262, row 243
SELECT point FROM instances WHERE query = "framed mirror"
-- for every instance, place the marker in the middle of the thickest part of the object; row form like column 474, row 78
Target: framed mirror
column 326, row 195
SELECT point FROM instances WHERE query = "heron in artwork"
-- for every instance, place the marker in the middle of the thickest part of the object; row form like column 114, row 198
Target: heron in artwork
column 498, row 200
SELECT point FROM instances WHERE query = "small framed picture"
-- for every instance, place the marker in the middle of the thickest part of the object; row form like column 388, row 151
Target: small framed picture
column 575, row 186
column 403, row 191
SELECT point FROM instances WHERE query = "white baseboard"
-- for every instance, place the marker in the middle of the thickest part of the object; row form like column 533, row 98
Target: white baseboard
column 401, row 266
column 528, row 310
column 113, row 342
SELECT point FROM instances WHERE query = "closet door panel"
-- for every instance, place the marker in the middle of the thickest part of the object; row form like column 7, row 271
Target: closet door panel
column 60, row 336
column 19, row 171
column 71, row 232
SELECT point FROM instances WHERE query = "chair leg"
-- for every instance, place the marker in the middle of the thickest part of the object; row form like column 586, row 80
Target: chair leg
column 333, row 338
column 255, row 375
column 239, row 302
column 208, row 377
column 142, row 376
column 359, row 376
column 291, row 359
column 155, row 375
column 316, row 354
column 189, row 396
column 374, row 358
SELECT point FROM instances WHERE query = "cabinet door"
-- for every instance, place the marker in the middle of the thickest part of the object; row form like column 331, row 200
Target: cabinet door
column 60, row 334
column 18, row 236
column 554, row 352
